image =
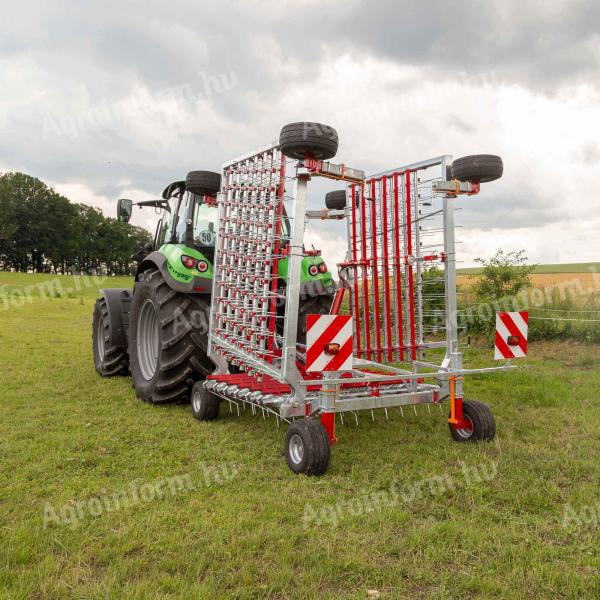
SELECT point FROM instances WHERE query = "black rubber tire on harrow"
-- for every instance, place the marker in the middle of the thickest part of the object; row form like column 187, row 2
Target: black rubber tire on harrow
column 109, row 360
column 203, row 183
column 317, row 305
column 305, row 139
column 312, row 437
column 182, row 333
column 478, row 167
column 205, row 404
column 335, row 200
column 482, row 419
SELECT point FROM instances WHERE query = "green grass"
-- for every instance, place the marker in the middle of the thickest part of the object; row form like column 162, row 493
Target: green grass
column 66, row 435
column 545, row 269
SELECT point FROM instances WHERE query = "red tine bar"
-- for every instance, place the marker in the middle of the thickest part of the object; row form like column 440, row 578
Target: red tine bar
column 409, row 248
column 355, row 307
column 374, row 268
column 386, row 269
column 365, row 271
column 398, row 276
column 276, row 251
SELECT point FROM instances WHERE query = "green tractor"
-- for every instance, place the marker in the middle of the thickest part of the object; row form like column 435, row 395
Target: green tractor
column 158, row 331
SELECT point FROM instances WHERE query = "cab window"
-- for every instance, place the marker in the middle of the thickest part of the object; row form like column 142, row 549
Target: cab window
column 205, row 220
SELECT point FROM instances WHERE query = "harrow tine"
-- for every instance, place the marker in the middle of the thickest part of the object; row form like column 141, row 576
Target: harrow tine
column 401, row 412
column 386, row 414
column 372, row 415
column 415, row 409
column 356, row 417
column 342, row 417
column 429, row 409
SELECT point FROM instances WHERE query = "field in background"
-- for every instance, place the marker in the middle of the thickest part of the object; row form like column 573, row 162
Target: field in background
column 576, row 276
column 68, row 437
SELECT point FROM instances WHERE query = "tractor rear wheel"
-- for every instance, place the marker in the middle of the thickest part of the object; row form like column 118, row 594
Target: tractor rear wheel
column 168, row 335
column 109, row 359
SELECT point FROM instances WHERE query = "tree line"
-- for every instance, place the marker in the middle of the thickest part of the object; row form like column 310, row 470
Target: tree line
column 42, row 231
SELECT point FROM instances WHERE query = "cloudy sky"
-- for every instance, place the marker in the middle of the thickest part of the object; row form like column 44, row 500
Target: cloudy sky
column 109, row 99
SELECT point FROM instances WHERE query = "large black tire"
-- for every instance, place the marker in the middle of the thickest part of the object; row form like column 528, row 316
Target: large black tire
column 335, row 200
column 317, row 305
column 482, row 421
column 109, row 359
column 307, row 447
column 205, row 404
column 203, row 183
column 168, row 333
column 478, row 167
column 308, row 140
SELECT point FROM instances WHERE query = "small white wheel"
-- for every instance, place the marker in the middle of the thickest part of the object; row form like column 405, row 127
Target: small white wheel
column 307, row 447
column 205, row 405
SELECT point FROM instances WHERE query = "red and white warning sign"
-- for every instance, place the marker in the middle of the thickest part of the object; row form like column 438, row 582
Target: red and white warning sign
column 511, row 335
column 328, row 343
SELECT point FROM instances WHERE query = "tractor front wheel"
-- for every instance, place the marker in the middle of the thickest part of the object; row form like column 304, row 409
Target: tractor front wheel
column 167, row 340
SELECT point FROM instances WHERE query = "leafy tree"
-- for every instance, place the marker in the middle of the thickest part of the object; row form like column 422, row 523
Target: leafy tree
column 503, row 276
column 40, row 230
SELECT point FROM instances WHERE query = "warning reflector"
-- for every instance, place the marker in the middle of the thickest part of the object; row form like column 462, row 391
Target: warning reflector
column 328, row 343
column 511, row 335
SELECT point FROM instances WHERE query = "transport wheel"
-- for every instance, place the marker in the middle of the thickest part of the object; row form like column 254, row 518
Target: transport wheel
column 317, row 305
column 109, row 360
column 168, row 334
column 483, row 425
column 478, row 167
column 307, row 447
column 312, row 140
column 205, row 404
column 203, row 183
column 336, row 200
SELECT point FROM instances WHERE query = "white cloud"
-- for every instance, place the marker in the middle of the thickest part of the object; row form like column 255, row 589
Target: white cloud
column 389, row 108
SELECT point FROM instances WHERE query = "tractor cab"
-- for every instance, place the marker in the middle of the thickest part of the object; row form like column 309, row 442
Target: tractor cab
column 189, row 219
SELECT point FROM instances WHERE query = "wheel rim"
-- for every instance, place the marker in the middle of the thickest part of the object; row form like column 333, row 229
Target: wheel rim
column 196, row 402
column 296, row 449
column 147, row 340
column 463, row 432
column 100, row 342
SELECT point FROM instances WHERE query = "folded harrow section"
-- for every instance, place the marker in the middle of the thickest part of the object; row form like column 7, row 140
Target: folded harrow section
column 253, row 237
column 401, row 266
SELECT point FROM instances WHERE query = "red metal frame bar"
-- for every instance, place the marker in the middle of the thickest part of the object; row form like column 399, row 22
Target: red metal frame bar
column 365, row 272
column 275, row 259
column 411, row 284
column 328, row 420
column 356, row 308
column 385, row 270
column 398, row 274
column 374, row 268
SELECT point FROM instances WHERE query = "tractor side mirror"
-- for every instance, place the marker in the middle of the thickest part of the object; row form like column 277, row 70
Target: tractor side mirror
column 124, row 210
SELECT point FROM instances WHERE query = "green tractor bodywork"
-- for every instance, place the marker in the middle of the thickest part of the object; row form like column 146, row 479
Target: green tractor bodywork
column 182, row 275
column 187, row 231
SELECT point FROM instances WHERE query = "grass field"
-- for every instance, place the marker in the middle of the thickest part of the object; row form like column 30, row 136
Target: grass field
column 242, row 526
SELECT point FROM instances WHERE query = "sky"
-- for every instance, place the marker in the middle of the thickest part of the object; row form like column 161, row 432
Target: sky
column 107, row 99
